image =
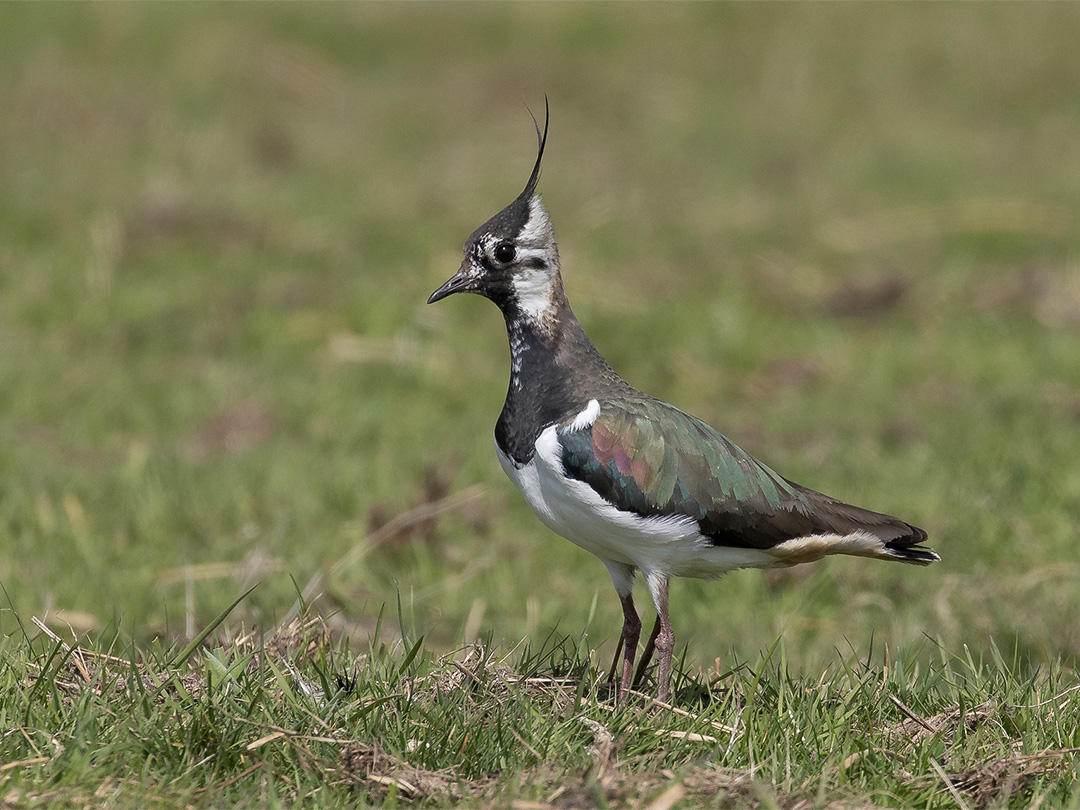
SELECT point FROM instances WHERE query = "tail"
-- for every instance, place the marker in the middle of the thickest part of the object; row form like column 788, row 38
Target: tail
column 910, row 549
column 895, row 538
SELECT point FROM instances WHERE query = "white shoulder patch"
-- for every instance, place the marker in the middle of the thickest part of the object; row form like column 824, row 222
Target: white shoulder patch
column 586, row 417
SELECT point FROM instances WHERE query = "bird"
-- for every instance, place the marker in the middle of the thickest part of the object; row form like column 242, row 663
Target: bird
column 642, row 485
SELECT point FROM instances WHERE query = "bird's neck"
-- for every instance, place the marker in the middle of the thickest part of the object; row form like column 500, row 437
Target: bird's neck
column 554, row 372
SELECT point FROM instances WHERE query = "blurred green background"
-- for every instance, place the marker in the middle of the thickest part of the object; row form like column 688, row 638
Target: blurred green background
column 845, row 235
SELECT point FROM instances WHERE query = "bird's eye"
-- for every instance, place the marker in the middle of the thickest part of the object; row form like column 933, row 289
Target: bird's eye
column 505, row 252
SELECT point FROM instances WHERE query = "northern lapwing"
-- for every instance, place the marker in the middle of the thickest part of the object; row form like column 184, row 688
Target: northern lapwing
column 640, row 484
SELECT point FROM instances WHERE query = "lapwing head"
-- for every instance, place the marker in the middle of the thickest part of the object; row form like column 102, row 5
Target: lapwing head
column 512, row 259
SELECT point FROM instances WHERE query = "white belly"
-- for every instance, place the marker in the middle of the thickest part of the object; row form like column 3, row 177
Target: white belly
column 572, row 509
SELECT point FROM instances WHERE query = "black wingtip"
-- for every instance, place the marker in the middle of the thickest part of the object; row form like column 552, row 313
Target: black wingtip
column 916, row 555
column 910, row 549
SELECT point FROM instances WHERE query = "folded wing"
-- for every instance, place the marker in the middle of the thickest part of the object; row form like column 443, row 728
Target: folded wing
column 648, row 457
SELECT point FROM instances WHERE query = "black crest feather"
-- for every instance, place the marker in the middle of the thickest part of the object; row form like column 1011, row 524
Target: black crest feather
column 507, row 224
column 541, row 139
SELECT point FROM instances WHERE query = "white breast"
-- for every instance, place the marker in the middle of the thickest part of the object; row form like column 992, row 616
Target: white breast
column 572, row 509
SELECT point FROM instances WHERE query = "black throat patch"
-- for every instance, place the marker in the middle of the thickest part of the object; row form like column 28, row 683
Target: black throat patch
column 540, row 393
column 554, row 372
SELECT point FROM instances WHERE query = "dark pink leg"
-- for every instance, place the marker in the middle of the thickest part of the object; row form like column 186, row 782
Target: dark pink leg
column 647, row 653
column 665, row 639
column 631, row 632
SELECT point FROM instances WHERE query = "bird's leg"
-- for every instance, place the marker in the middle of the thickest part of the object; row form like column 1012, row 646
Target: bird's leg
column 622, row 575
column 665, row 639
column 631, row 632
column 647, row 653
column 615, row 661
column 665, row 643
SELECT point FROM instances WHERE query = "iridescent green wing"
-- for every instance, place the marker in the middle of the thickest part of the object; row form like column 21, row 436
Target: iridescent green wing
column 647, row 457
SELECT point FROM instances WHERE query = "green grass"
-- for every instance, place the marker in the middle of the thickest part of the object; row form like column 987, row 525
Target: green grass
column 295, row 719
column 844, row 235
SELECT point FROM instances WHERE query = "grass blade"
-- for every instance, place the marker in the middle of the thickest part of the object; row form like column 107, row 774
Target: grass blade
column 180, row 658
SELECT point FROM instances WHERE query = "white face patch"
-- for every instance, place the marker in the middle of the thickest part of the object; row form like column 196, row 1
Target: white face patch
column 537, row 231
column 533, row 289
column 535, row 264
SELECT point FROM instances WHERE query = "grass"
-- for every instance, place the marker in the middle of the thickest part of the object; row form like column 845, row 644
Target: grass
column 844, row 235
column 293, row 718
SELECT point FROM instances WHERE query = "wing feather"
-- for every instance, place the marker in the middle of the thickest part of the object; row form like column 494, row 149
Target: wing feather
column 648, row 457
